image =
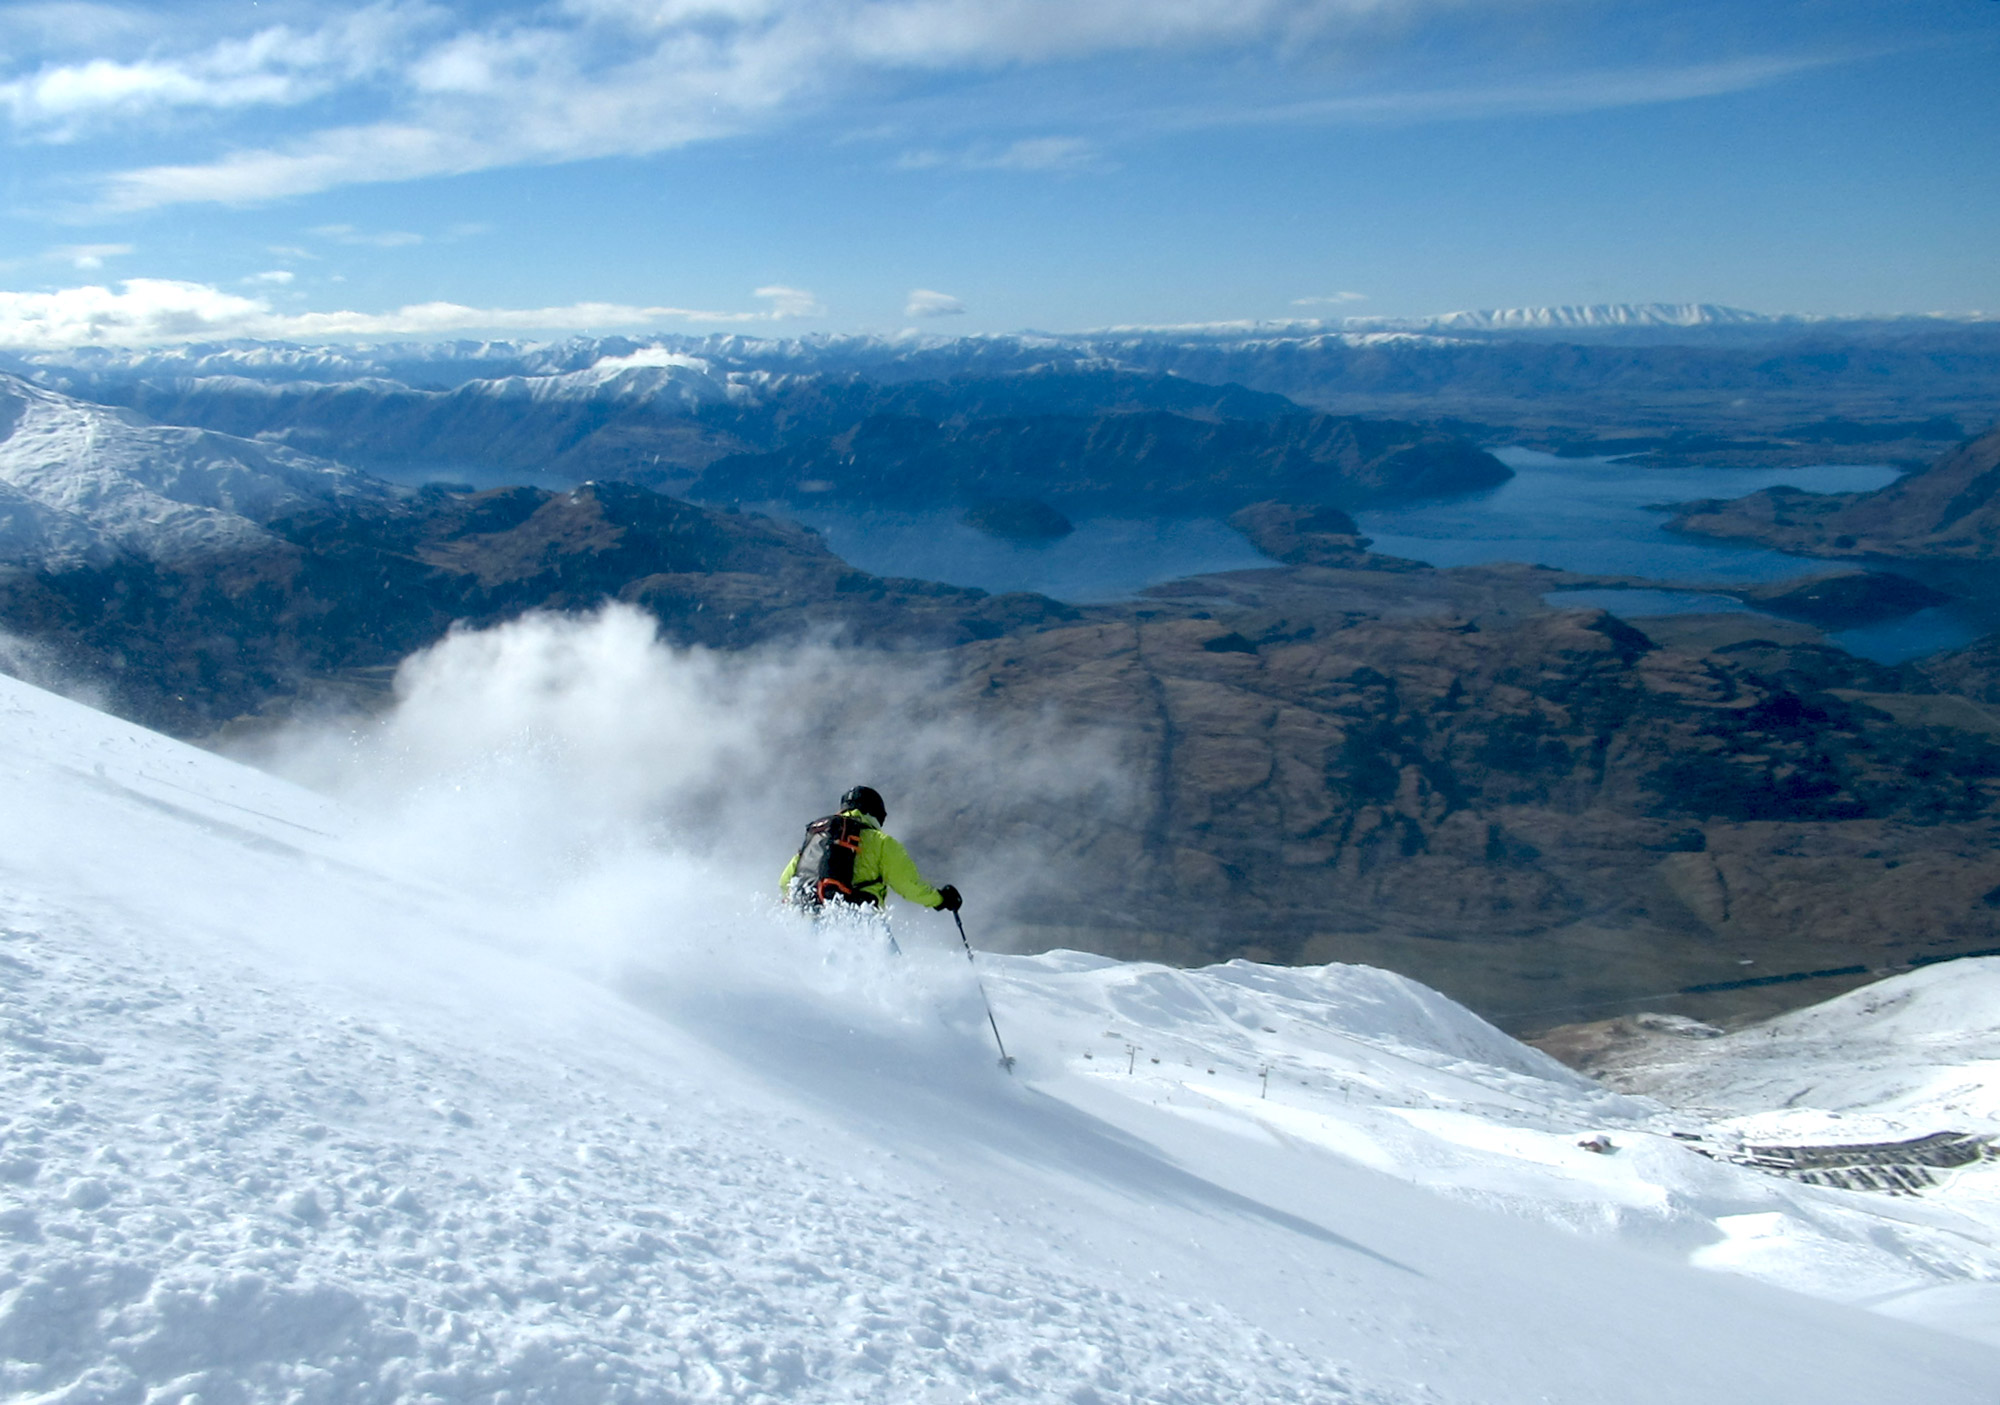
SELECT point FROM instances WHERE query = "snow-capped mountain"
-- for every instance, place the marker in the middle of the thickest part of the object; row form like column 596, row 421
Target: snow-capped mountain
column 83, row 484
column 296, row 1116
column 473, row 405
column 652, row 375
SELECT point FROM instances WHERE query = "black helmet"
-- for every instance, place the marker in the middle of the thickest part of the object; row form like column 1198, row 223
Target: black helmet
column 867, row 800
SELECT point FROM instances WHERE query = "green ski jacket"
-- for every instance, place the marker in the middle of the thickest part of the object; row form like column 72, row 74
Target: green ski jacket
column 879, row 865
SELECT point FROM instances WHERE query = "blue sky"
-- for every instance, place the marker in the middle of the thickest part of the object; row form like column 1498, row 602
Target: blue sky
column 416, row 168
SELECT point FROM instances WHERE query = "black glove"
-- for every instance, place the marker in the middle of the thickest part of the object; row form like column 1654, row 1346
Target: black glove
column 948, row 899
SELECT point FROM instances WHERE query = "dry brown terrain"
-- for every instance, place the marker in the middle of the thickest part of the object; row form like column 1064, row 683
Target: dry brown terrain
column 1541, row 813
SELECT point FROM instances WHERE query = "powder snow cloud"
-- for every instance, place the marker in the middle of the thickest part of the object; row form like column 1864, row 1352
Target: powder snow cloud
column 514, row 753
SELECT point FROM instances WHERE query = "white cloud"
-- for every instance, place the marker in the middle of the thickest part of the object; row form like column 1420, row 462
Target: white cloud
column 275, row 66
column 88, row 256
column 925, row 303
column 951, row 33
column 151, row 311
column 275, row 277
column 789, row 302
column 647, row 356
column 1330, row 300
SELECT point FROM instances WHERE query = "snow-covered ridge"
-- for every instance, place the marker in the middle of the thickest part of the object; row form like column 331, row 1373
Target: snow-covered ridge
column 664, row 380
column 286, row 1121
column 1602, row 315
column 80, row 484
column 1579, row 317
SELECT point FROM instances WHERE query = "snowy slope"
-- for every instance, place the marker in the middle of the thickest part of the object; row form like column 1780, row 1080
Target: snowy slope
column 1904, row 1058
column 1901, row 1056
column 1386, row 1074
column 82, row 483
column 286, row 1122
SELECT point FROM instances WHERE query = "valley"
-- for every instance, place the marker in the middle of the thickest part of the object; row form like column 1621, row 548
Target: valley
column 1552, row 791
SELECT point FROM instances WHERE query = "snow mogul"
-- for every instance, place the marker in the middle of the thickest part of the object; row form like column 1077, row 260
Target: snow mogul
column 848, row 863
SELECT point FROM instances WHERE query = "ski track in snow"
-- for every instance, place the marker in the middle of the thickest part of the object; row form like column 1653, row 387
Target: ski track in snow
column 283, row 1125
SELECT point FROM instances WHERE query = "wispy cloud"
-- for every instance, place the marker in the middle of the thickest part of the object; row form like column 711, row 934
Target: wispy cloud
column 593, row 78
column 152, row 311
column 381, row 239
column 72, row 25
column 272, row 277
column 1028, row 154
column 923, row 302
column 1331, row 300
column 423, row 88
column 1591, row 91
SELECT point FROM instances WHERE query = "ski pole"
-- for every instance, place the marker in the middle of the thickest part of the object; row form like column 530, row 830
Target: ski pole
column 1006, row 1059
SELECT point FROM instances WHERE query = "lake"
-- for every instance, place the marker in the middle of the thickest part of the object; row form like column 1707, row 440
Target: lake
column 1595, row 516
column 1104, row 559
column 1591, row 516
column 1587, row 515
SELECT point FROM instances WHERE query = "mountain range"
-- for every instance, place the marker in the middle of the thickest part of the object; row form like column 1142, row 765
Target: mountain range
column 1689, row 385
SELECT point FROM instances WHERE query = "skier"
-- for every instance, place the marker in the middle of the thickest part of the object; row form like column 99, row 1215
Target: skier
column 847, row 860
